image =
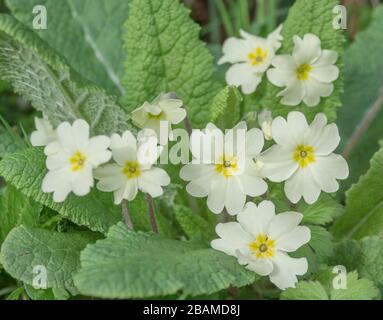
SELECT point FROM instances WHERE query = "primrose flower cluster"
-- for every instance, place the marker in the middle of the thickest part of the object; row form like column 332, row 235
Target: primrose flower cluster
column 228, row 168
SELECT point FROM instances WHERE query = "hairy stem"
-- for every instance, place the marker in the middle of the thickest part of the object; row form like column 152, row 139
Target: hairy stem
column 126, row 214
column 363, row 126
column 188, row 125
column 152, row 216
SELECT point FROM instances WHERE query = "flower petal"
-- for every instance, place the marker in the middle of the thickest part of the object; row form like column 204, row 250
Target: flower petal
column 235, row 197
column 255, row 220
column 286, row 269
column 251, row 185
column 243, row 75
column 283, row 223
column 293, row 94
column 307, row 50
column 80, row 131
column 262, row 267
column 294, row 239
column 278, row 164
column 302, row 183
column 314, row 90
column 217, row 196
column 233, row 238
column 234, row 50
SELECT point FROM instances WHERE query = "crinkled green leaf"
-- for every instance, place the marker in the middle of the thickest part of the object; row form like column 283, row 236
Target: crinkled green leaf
column 225, row 108
column 305, row 290
column 26, row 169
column 43, row 77
column 321, row 242
column 364, row 204
column 26, row 248
column 16, row 209
column 164, row 54
column 371, row 263
column 310, row 17
column 348, row 253
column 194, row 226
column 363, row 88
column 94, row 26
column 323, row 211
column 357, row 289
column 10, row 142
column 137, row 265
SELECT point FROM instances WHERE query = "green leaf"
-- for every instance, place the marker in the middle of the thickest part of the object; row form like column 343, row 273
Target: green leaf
column 305, row 290
column 94, row 26
column 310, row 17
column 10, row 141
column 26, row 248
column 16, row 209
column 194, row 226
column 371, row 263
column 137, row 265
column 323, row 211
column 364, row 204
column 321, row 242
column 357, row 289
column 43, row 78
column 225, row 108
column 360, row 119
column 165, row 54
column 26, row 169
column 348, row 253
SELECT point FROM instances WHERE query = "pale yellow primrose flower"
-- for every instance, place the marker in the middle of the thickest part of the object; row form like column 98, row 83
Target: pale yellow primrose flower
column 220, row 170
column 307, row 75
column 250, row 57
column 133, row 169
column 303, row 157
column 261, row 241
column 164, row 108
column 71, row 160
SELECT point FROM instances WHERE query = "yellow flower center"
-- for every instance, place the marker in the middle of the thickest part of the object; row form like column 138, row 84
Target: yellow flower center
column 263, row 247
column 303, row 71
column 227, row 165
column 258, row 56
column 77, row 161
column 131, row 169
column 156, row 116
column 304, row 155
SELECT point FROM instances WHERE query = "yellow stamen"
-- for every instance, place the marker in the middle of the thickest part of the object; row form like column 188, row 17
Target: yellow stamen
column 304, row 155
column 131, row 169
column 263, row 247
column 258, row 56
column 303, row 71
column 227, row 165
column 77, row 160
column 156, row 116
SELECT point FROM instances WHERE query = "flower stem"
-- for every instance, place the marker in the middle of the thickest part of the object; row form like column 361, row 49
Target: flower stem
column 152, row 217
column 188, row 125
column 226, row 216
column 126, row 214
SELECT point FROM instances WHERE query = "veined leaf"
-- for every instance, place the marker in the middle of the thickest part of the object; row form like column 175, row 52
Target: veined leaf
column 360, row 119
column 310, row 17
column 94, row 26
column 26, row 169
column 165, row 54
column 136, row 265
column 9, row 140
column 42, row 77
column 225, row 108
column 16, row 209
column 26, row 251
column 356, row 289
column 364, row 204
